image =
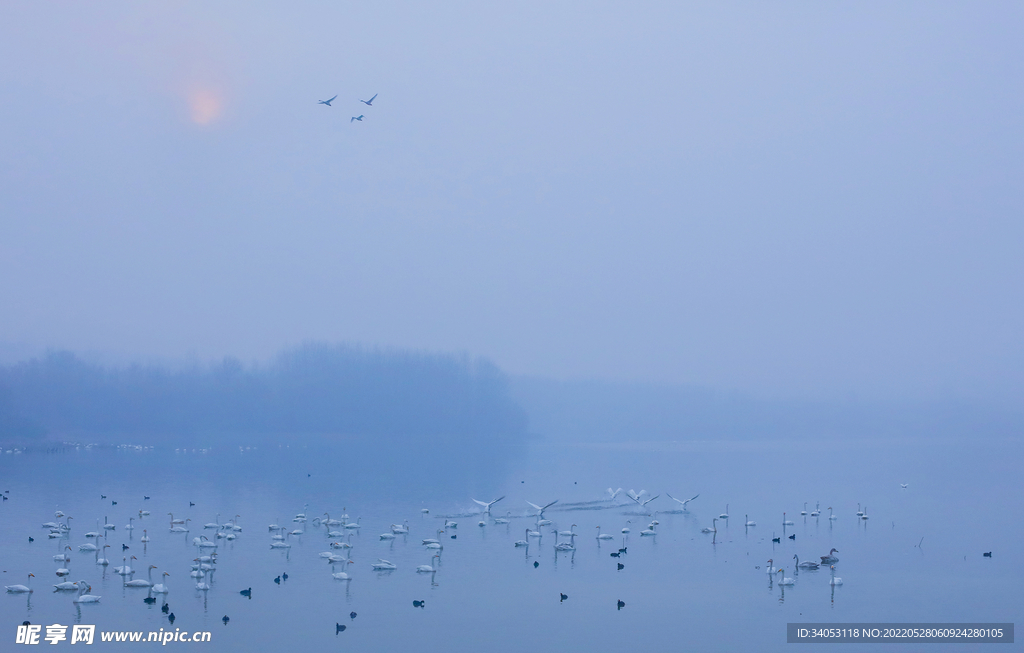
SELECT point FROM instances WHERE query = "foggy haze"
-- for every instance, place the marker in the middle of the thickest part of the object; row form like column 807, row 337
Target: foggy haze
column 815, row 200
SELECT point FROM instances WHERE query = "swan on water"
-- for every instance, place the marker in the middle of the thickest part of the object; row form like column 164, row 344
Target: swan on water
column 383, row 565
column 725, row 515
column 829, row 559
column 806, row 564
column 831, row 517
column 786, row 522
column 713, row 529
column 340, row 575
column 602, row 536
column 82, row 596
column 785, row 581
column 833, row 580
column 749, row 523
column 428, row 569
column 143, row 583
column 21, row 589
column 161, row 588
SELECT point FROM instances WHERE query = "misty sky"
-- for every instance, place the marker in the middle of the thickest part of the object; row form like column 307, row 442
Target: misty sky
column 816, row 198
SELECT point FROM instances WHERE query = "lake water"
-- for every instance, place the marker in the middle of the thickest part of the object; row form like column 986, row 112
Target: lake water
column 682, row 589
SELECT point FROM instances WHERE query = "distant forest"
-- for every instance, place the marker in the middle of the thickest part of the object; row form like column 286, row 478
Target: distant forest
column 313, row 389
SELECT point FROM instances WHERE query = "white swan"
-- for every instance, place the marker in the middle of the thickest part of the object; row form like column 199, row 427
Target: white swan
column 213, row 524
column 353, row 525
column 804, row 511
column 564, row 546
column 505, row 519
column 87, row 547
column 130, row 526
column 771, row 568
column 831, row 517
column 329, row 521
column 786, row 522
column 143, row 583
column 21, row 589
column 816, row 511
column 571, row 532
column 749, row 523
column 63, row 557
column 82, row 597
column 613, row 493
column 432, row 540
column 806, row 564
column 103, row 562
column 713, row 529
column 387, row 536
column 785, row 581
column 640, row 502
column 181, row 529
column 540, row 509
column 428, row 569
column 725, row 515
column 834, row 580
column 65, row 586
column 175, row 521
column 860, row 513
column 125, row 570
column 648, row 532
column 383, row 565
column 280, row 545
column 145, row 536
column 487, row 504
column 402, row 529
column 161, row 588
column 106, row 526
column 602, row 536
column 340, row 575
column 865, row 515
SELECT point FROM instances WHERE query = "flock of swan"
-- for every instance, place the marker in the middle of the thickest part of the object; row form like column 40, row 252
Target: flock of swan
column 338, row 532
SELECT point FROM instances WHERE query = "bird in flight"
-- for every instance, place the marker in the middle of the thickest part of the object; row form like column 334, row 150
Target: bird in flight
column 327, row 102
column 486, row 504
column 369, row 102
column 683, row 503
column 359, row 118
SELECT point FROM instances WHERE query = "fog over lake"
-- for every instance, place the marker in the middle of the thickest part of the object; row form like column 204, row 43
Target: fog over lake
column 628, row 308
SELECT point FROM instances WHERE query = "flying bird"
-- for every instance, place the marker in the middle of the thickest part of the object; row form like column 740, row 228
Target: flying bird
column 682, row 503
column 369, row 102
column 613, row 493
column 641, row 502
column 486, row 504
column 354, row 118
column 541, row 509
column 327, row 102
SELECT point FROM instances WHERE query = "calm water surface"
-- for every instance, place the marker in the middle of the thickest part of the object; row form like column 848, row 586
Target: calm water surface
column 683, row 589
